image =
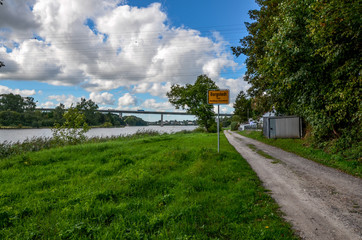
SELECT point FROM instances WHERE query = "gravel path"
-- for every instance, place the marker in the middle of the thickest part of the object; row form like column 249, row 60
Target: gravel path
column 319, row 202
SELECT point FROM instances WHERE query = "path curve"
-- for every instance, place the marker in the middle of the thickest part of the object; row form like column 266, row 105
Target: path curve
column 319, row 202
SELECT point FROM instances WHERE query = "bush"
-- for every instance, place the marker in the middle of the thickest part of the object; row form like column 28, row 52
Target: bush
column 213, row 128
column 107, row 125
column 199, row 130
column 73, row 129
column 234, row 126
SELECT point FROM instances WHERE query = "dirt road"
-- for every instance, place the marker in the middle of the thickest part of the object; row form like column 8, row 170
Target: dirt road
column 319, row 202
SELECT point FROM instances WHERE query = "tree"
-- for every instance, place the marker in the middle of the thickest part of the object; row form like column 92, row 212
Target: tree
column 11, row 102
column 29, row 104
column 303, row 57
column 225, row 121
column 88, row 107
column 134, row 121
column 16, row 103
column 254, row 46
column 10, row 118
column 242, row 106
column 193, row 99
column 73, row 129
column 59, row 113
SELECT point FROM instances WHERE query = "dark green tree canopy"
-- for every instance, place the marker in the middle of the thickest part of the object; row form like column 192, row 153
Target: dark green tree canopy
column 88, row 108
column 242, row 106
column 20, row 111
column 193, row 99
column 134, row 121
column 58, row 113
column 16, row 103
column 304, row 57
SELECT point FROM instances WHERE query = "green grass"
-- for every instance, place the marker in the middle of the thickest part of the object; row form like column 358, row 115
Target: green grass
column 152, row 187
column 301, row 148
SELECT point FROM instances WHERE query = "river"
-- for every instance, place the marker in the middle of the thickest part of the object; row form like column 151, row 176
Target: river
column 19, row 135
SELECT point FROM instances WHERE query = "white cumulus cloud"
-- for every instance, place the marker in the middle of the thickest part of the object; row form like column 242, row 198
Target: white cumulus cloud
column 127, row 100
column 104, row 98
column 102, row 45
column 234, row 85
column 47, row 104
column 155, row 89
column 67, row 100
column 23, row 93
column 159, row 106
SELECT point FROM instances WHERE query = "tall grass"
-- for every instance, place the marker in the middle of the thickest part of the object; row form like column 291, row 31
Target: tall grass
column 142, row 187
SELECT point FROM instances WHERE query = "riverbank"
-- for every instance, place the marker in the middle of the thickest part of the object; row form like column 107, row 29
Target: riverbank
column 21, row 135
column 166, row 186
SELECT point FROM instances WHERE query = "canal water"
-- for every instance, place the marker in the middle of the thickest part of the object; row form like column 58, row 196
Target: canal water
column 15, row 135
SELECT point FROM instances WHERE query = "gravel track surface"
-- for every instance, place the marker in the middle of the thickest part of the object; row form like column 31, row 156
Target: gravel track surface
column 320, row 202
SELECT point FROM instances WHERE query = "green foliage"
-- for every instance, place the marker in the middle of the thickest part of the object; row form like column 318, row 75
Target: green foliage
column 58, row 114
column 10, row 118
column 242, row 107
column 304, row 59
column 148, row 187
column 225, row 121
column 234, row 126
column 134, row 121
column 348, row 160
column 16, row 103
column 199, row 130
column 193, row 99
column 16, row 110
column 73, row 129
column 9, row 149
column 107, row 124
column 236, row 118
column 88, row 108
column 213, row 128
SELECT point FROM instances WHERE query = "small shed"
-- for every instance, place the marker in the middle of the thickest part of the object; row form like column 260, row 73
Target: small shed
column 282, row 127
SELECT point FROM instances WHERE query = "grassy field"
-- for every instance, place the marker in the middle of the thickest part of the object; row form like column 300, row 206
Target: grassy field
column 156, row 187
column 351, row 166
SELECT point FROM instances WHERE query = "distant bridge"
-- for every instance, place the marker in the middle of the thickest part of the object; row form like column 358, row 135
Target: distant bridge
column 120, row 112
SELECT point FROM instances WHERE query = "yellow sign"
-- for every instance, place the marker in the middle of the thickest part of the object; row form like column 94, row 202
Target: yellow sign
column 218, row 97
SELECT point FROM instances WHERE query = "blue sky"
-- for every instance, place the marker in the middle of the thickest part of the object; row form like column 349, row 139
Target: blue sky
column 120, row 54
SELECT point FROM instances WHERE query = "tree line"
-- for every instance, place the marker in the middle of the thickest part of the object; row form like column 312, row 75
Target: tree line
column 304, row 58
column 18, row 111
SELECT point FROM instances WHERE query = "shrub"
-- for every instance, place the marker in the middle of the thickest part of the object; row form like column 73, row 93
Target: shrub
column 199, row 130
column 234, row 126
column 73, row 129
column 107, row 125
column 213, row 128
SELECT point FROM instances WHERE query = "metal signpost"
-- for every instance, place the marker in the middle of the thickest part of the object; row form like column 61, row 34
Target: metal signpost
column 218, row 97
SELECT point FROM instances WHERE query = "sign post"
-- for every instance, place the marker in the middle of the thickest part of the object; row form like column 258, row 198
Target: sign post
column 218, row 97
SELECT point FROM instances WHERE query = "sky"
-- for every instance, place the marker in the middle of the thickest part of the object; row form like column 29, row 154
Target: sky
column 120, row 54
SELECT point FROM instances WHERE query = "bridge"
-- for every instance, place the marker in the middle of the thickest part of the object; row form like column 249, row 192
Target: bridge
column 121, row 112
